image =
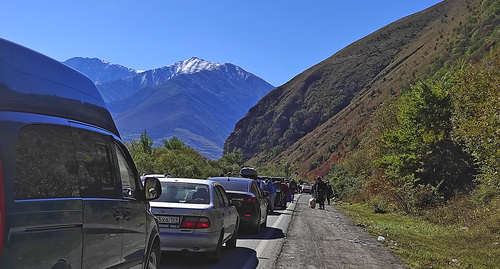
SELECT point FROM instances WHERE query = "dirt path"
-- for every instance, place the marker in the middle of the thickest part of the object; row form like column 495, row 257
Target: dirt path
column 327, row 239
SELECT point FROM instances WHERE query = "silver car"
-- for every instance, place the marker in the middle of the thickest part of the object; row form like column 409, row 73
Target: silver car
column 195, row 215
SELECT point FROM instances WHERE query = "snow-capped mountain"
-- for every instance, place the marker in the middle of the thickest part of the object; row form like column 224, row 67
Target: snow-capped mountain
column 195, row 100
column 100, row 71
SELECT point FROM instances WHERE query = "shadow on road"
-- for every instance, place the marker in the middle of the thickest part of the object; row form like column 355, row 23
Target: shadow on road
column 231, row 258
column 265, row 233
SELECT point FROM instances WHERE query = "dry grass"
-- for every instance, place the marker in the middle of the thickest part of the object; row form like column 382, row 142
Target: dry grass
column 459, row 235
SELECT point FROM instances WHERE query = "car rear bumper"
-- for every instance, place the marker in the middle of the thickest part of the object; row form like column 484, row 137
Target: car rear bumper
column 195, row 242
column 249, row 220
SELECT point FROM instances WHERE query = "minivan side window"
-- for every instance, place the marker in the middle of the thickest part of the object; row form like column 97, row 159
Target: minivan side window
column 127, row 175
column 94, row 164
column 45, row 166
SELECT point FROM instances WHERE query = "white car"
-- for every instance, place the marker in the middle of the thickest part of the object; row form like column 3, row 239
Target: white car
column 306, row 189
column 195, row 215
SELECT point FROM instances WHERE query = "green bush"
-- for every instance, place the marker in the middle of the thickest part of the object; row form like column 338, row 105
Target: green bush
column 378, row 205
column 345, row 184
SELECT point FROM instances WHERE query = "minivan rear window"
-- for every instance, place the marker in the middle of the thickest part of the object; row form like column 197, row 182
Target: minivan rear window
column 45, row 166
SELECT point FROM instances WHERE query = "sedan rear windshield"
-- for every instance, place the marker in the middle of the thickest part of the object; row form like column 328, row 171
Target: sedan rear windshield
column 234, row 186
column 180, row 192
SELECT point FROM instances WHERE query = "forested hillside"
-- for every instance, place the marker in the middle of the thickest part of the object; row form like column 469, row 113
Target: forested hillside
column 305, row 122
column 440, row 136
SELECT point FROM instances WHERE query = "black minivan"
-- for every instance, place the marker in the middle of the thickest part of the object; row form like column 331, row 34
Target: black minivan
column 70, row 195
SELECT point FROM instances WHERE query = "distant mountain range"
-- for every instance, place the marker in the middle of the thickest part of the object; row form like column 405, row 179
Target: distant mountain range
column 195, row 100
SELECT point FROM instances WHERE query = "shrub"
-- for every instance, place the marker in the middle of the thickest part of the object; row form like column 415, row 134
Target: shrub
column 412, row 198
column 378, row 205
column 345, row 184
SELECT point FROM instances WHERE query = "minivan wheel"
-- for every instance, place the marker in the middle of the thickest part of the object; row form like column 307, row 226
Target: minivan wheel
column 153, row 261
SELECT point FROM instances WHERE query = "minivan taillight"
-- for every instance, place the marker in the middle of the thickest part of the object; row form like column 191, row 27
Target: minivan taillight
column 2, row 208
column 195, row 223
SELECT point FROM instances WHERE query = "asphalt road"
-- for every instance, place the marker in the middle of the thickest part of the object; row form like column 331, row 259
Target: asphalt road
column 252, row 250
column 298, row 237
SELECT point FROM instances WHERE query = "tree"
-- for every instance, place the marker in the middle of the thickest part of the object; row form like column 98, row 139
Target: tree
column 476, row 116
column 143, row 161
column 419, row 147
column 175, row 144
column 146, row 143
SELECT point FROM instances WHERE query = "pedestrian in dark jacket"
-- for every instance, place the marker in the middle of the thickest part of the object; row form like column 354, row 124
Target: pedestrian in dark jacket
column 319, row 189
column 293, row 188
column 329, row 192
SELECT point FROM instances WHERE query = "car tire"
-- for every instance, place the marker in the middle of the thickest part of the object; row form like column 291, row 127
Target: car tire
column 256, row 228
column 231, row 243
column 264, row 224
column 216, row 254
column 153, row 261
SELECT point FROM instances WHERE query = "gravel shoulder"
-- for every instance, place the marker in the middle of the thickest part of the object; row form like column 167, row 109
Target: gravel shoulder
column 327, row 239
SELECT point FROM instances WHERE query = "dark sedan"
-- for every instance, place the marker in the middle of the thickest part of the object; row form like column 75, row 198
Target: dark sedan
column 281, row 195
column 248, row 199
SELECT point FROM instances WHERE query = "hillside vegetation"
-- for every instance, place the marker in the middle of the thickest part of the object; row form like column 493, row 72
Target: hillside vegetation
column 432, row 154
column 440, row 136
column 309, row 121
column 174, row 157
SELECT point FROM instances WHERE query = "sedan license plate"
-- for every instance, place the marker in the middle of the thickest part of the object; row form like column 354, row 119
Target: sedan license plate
column 169, row 219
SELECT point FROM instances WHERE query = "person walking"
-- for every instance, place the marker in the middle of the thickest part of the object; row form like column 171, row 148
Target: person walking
column 329, row 192
column 285, row 191
column 272, row 193
column 319, row 188
column 293, row 188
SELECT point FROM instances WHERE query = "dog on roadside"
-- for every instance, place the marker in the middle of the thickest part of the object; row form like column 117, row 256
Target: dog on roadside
column 312, row 203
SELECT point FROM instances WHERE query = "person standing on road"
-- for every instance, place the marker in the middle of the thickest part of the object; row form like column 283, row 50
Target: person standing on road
column 272, row 193
column 319, row 189
column 286, row 191
column 329, row 192
column 293, row 188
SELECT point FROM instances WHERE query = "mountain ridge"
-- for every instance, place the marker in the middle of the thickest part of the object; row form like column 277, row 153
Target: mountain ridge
column 304, row 121
column 195, row 100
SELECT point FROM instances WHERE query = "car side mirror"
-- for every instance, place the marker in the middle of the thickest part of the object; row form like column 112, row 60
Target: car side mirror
column 152, row 188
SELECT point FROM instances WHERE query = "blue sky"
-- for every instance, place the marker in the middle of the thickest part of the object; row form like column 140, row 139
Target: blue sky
column 273, row 39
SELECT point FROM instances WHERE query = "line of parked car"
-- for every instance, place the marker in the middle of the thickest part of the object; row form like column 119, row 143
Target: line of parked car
column 200, row 216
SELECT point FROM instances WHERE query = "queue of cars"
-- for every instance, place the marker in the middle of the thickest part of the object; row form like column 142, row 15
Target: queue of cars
column 200, row 216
